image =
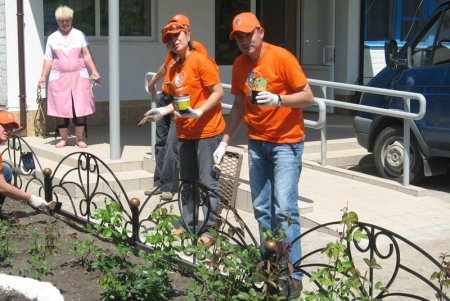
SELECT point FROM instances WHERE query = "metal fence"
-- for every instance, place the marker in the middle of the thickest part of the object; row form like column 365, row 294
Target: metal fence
column 82, row 183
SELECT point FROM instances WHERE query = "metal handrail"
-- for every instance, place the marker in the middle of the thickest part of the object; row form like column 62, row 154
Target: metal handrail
column 406, row 115
column 320, row 124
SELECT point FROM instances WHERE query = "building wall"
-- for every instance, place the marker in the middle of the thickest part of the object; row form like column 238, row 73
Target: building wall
column 3, row 66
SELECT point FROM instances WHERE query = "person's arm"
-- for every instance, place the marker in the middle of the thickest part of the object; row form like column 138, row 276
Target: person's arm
column 303, row 97
column 10, row 191
column 45, row 70
column 236, row 116
column 214, row 98
column 300, row 99
column 90, row 63
column 159, row 74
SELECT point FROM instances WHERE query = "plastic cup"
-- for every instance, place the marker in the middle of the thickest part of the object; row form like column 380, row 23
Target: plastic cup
column 259, row 84
column 183, row 102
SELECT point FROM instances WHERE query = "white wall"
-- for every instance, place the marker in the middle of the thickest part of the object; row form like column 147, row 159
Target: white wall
column 137, row 58
column 373, row 62
column 33, row 56
column 347, row 41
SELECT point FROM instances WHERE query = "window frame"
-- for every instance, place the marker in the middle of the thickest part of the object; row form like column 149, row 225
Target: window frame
column 97, row 27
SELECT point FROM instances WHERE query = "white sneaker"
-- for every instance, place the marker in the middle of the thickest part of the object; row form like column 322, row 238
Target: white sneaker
column 166, row 196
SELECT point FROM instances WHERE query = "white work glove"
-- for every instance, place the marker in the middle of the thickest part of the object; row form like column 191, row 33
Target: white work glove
column 156, row 114
column 193, row 113
column 265, row 99
column 220, row 152
column 20, row 171
column 37, row 202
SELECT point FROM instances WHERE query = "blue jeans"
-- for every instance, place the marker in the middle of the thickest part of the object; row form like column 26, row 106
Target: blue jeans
column 274, row 175
column 7, row 174
column 196, row 163
column 166, row 151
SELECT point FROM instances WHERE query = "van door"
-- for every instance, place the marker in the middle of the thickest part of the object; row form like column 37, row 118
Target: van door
column 429, row 74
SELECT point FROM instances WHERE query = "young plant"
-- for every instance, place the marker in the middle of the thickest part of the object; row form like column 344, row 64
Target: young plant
column 82, row 249
column 443, row 277
column 340, row 279
column 38, row 265
column 6, row 250
column 122, row 279
column 232, row 272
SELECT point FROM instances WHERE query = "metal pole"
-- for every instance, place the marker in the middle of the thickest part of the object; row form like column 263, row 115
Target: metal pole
column 406, row 144
column 114, row 80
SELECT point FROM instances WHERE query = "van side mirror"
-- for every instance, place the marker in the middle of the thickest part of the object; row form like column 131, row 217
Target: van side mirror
column 390, row 51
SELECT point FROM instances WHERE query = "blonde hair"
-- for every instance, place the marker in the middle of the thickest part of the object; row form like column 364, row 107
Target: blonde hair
column 63, row 13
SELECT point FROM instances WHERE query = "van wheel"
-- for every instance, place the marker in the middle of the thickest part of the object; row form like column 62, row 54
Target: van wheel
column 388, row 155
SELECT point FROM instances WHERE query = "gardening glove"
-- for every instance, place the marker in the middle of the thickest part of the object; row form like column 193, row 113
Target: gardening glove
column 37, row 202
column 220, row 152
column 156, row 114
column 265, row 99
column 192, row 113
column 20, row 171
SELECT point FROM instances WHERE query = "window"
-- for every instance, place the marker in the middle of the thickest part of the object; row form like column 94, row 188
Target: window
column 433, row 48
column 395, row 19
column 135, row 17
column 226, row 10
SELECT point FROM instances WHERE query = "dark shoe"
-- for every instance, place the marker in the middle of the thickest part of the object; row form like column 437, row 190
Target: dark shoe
column 166, row 196
column 291, row 288
column 153, row 191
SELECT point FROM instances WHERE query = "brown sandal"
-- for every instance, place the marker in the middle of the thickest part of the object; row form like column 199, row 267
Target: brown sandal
column 206, row 241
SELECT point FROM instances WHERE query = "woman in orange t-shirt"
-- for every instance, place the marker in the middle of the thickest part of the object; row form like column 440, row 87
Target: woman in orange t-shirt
column 199, row 128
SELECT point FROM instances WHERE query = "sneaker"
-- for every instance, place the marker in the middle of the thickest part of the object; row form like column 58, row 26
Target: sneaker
column 291, row 289
column 166, row 196
column 153, row 191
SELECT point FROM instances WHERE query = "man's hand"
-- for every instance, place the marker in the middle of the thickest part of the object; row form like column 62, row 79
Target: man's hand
column 37, row 202
column 192, row 113
column 220, row 152
column 266, row 99
column 156, row 114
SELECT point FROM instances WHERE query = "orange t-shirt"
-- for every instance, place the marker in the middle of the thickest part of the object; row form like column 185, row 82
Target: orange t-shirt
column 193, row 77
column 169, row 62
column 284, row 76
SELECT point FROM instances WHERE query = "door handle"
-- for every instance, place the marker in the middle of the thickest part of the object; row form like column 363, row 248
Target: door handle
column 328, row 55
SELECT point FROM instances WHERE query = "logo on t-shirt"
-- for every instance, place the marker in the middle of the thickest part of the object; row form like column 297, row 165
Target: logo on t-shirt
column 251, row 76
column 179, row 79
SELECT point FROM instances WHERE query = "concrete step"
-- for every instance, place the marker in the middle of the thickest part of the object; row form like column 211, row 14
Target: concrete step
column 332, row 145
column 339, row 158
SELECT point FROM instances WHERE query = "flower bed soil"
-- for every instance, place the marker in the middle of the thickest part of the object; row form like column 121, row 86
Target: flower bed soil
column 74, row 281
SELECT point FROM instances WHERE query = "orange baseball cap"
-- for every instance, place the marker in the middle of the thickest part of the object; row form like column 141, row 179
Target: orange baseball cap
column 244, row 22
column 170, row 28
column 180, row 19
column 8, row 118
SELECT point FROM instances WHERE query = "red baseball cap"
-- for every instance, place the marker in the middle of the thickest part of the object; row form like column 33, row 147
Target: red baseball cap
column 244, row 22
column 8, row 118
column 180, row 19
column 170, row 28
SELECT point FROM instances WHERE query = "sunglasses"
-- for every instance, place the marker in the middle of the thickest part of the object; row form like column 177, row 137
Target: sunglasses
column 173, row 27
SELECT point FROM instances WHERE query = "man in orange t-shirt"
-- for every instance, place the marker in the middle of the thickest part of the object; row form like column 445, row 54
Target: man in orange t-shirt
column 166, row 140
column 275, row 130
column 8, row 124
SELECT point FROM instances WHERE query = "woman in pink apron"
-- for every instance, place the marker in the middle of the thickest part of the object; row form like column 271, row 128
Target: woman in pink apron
column 69, row 88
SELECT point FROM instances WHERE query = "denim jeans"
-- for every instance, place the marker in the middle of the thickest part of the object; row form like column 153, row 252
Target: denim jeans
column 166, row 151
column 7, row 174
column 196, row 163
column 274, row 175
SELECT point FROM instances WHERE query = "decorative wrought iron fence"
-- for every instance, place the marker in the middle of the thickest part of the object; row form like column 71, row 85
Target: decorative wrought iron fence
column 82, row 182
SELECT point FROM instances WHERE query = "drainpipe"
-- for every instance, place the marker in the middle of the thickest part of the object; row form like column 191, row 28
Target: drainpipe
column 22, row 90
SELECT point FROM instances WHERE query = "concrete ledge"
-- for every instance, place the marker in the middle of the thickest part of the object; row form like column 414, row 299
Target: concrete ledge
column 385, row 183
